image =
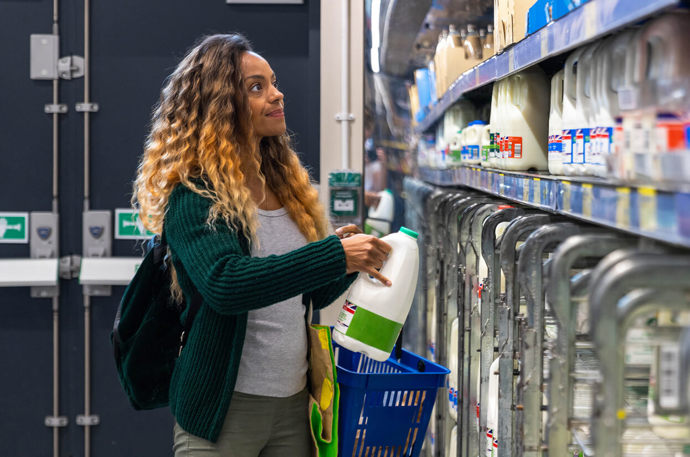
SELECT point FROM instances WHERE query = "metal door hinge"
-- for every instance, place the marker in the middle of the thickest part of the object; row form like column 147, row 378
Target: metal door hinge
column 56, row 421
column 71, row 67
column 70, row 266
column 85, row 421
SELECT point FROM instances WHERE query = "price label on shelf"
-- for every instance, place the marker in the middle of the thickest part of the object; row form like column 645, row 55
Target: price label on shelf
column 511, row 59
column 647, row 208
column 525, row 189
column 537, row 191
column 565, row 192
column 587, row 197
column 623, row 207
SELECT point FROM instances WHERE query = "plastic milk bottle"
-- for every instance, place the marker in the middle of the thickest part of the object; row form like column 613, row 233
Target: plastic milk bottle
column 572, row 118
column 556, row 125
column 378, row 222
column 373, row 314
column 526, row 121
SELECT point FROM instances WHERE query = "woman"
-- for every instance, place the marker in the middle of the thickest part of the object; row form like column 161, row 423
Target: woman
column 218, row 179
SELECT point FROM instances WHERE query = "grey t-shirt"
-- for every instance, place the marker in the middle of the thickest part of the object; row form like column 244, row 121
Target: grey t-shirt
column 274, row 357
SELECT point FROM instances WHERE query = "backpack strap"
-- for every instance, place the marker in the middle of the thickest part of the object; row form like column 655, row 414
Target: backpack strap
column 161, row 249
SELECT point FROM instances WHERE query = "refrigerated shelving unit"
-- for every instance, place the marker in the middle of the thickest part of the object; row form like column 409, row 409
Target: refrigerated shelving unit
column 649, row 209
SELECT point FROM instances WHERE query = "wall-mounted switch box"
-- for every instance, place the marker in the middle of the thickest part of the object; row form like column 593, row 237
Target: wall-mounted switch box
column 44, row 239
column 44, row 56
column 44, row 236
column 97, row 239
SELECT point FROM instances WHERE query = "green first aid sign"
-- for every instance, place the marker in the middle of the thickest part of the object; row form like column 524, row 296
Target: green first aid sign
column 14, row 228
column 129, row 227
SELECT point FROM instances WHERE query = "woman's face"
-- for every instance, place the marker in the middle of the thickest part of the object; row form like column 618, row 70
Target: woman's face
column 265, row 100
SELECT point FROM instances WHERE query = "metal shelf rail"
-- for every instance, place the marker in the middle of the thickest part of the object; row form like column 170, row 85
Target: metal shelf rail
column 593, row 20
column 646, row 211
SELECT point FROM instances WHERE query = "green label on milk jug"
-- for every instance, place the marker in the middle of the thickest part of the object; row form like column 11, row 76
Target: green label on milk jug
column 369, row 328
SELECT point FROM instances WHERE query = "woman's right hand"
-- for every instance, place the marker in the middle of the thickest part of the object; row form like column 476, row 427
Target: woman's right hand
column 366, row 253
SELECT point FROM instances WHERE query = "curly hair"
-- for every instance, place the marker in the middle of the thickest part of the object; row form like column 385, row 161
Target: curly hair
column 201, row 129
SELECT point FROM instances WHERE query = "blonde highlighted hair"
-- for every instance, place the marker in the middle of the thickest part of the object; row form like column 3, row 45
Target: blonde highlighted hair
column 201, row 129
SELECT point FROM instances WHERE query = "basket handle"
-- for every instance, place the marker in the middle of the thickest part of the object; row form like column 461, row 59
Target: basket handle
column 398, row 345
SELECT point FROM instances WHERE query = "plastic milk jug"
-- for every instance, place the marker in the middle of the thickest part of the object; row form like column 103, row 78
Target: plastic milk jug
column 452, row 449
column 662, row 69
column 500, row 123
column 442, row 147
column 585, row 104
column 492, row 411
column 452, row 137
column 453, row 367
column 378, row 222
column 526, row 125
column 610, row 76
column 572, row 118
column 491, row 159
column 373, row 314
column 472, row 136
column 556, row 125
column 485, row 145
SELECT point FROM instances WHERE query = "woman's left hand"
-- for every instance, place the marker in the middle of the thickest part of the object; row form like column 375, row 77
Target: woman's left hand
column 347, row 230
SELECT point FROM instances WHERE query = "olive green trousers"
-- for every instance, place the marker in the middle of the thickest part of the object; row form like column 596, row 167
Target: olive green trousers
column 255, row 426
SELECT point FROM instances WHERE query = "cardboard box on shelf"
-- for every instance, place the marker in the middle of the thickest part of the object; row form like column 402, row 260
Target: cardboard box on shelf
column 510, row 22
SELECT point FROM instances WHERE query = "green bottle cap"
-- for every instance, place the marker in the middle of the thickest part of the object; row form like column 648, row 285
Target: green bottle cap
column 409, row 232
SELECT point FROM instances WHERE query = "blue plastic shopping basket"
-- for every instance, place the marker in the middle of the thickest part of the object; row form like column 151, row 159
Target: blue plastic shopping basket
column 385, row 406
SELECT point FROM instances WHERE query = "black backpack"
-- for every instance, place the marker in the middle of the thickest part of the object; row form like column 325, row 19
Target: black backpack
column 147, row 335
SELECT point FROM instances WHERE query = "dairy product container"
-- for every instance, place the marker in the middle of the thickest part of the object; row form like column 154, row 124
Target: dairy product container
column 471, row 139
column 452, row 449
column 555, row 147
column 456, row 147
column 572, row 118
column 661, row 75
column 491, row 159
column 492, row 411
column 379, row 219
column 453, row 367
column 586, row 104
column 609, row 74
column 526, row 122
column 485, row 145
column 488, row 43
column 373, row 314
column 472, row 44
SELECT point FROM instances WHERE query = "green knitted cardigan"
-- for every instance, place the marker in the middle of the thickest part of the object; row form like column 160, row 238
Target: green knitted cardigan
column 217, row 262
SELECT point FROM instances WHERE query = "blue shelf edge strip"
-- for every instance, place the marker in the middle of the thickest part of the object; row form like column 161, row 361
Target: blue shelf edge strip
column 592, row 20
column 640, row 210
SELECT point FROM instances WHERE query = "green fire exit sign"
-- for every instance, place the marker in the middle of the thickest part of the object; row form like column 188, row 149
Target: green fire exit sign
column 128, row 226
column 14, row 228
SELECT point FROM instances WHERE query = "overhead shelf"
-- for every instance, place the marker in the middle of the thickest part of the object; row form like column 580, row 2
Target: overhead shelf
column 593, row 20
column 646, row 211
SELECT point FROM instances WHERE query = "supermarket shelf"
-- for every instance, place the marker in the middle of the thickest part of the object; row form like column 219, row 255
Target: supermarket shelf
column 659, row 214
column 593, row 20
